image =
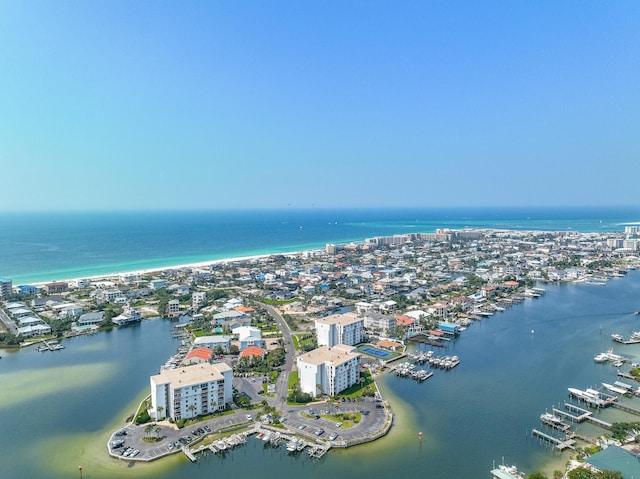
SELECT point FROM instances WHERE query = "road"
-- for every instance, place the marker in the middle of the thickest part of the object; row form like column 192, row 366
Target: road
column 282, row 385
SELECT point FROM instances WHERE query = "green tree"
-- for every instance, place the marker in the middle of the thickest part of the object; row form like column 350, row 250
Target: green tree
column 192, row 408
column 537, row 475
column 580, row 473
column 159, row 410
column 148, row 428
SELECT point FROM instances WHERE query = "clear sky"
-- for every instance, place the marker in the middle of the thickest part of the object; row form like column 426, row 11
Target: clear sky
column 269, row 104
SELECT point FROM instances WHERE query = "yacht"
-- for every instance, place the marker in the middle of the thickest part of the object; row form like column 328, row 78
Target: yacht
column 601, row 358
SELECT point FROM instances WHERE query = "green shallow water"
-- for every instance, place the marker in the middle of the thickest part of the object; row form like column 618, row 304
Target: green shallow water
column 57, row 409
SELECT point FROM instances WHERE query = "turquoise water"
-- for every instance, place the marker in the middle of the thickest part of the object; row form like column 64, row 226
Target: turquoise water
column 37, row 247
column 60, row 407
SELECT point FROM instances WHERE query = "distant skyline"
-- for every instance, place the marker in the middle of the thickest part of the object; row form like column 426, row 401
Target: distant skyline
column 286, row 104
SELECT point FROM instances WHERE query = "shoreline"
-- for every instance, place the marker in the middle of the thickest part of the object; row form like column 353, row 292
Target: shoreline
column 201, row 264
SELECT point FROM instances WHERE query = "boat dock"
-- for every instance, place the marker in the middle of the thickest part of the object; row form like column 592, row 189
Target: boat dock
column 560, row 444
column 50, row 346
column 584, row 415
column 556, row 424
column 189, row 454
column 622, row 374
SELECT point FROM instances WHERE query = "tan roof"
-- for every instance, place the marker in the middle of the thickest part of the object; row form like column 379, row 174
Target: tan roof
column 200, row 373
column 338, row 354
column 342, row 319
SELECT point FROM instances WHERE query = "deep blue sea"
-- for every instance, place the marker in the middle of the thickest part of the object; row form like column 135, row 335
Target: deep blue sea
column 36, row 247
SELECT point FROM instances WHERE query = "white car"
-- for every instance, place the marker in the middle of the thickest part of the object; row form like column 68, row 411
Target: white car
column 249, row 417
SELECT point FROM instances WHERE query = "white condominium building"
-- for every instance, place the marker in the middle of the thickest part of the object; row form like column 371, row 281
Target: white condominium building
column 328, row 370
column 191, row 391
column 339, row 329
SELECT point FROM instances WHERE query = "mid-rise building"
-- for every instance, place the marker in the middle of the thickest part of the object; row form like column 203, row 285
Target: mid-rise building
column 339, row 329
column 191, row 391
column 197, row 298
column 6, row 288
column 328, row 370
column 173, row 308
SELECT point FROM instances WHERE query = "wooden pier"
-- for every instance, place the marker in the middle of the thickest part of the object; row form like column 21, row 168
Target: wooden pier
column 189, row 454
column 560, row 444
column 584, row 415
column 560, row 426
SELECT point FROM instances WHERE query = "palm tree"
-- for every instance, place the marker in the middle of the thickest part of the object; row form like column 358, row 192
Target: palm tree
column 160, row 410
column 158, row 429
column 148, row 428
column 191, row 408
column 213, row 405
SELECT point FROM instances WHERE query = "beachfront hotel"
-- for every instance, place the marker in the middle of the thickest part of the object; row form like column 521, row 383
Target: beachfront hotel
column 328, row 370
column 339, row 329
column 191, row 391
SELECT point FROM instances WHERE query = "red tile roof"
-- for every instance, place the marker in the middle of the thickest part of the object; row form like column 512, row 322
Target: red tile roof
column 244, row 309
column 252, row 351
column 200, row 353
column 404, row 320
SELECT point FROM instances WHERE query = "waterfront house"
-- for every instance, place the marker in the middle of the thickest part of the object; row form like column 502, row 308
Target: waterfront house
column 27, row 289
column 56, row 287
column 32, row 331
column 211, row 342
column 88, row 319
column 198, row 356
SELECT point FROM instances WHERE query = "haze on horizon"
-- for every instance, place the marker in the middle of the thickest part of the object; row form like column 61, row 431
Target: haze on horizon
column 213, row 105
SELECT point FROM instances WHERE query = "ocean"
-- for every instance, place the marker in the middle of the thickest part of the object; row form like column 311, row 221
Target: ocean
column 38, row 247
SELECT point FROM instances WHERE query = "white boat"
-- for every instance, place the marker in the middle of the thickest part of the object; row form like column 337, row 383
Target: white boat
column 614, row 357
column 507, row 472
column 620, row 384
column 587, row 396
column 601, row 358
column 617, row 337
column 550, row 418
column 614, row 389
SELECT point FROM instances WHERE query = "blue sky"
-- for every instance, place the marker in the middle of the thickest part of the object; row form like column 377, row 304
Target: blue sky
column 270, row 104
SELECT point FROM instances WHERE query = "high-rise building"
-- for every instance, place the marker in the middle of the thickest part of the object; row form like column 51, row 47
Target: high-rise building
column 191, row 391
column 328, row 370
column 339, row 329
